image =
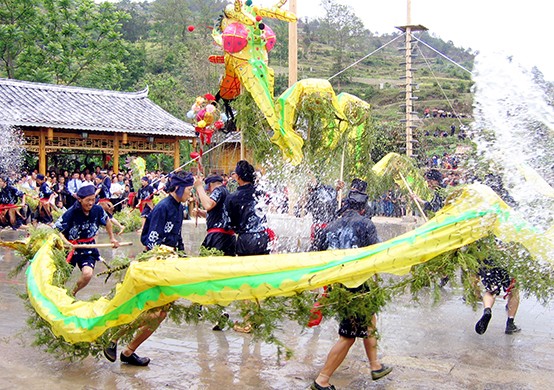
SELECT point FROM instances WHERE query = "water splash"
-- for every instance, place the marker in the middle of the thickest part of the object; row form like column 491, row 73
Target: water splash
column 514, row 120
column 11, row 149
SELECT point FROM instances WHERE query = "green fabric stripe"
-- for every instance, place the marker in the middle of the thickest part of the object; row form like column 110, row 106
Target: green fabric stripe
column 201, row 288
column 282, row 99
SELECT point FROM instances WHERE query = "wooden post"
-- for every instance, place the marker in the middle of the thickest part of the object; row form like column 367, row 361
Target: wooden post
column 241, row 146
column 116, row 153
column 409, row 98
column 341, row 175
column 176, row 154
column 42, row 152
column 409, row 109
column 293, row 46
column 412, row 196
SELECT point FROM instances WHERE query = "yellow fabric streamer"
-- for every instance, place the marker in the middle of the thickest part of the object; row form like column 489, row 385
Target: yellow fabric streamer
column 474, row 212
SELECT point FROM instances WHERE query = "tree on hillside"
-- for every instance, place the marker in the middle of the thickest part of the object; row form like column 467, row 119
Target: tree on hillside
column 342, row 30
column 182, row 53
column 72, row 42
column 280, row 53
column 308, row 36
column 16, row 32
column 137, row 27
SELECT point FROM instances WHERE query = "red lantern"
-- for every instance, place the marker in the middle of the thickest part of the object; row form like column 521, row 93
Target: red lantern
column 190, row 28
column 235, row 37
column 194, row 155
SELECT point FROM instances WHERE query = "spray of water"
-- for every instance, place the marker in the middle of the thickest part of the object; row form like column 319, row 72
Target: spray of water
column 11, row 149
column 514, row 128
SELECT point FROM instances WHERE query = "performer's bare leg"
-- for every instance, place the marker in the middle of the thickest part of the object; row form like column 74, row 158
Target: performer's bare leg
column 84, row 279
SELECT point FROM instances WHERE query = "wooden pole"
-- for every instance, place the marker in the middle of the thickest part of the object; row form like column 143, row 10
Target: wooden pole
column 241, row 145
column 409, row 109
column 293, row 46
column 341, row 176
column 176, row 154
column 115, row 161
column 42, row 152
column 412, row 196
column 110, row 245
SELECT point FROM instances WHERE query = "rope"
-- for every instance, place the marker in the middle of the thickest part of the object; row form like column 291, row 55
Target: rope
column 460, row 123
column 363, row 58
column 438, row 52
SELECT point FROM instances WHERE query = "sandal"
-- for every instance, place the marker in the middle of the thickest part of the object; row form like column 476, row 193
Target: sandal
column 243, row 329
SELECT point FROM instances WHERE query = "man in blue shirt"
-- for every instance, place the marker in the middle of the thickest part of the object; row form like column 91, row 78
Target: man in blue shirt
column 144, row 196
column 80, row 225
column 73, row 186
column 247, row 218
column 9, row 213
column 351, row 230
column 46, row 195
column 162, row 227
column 220, row 236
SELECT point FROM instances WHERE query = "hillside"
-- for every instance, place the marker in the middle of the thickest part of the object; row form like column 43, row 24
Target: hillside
column 377, row 79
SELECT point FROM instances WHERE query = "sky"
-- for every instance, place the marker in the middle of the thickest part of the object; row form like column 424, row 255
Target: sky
column 518, row 28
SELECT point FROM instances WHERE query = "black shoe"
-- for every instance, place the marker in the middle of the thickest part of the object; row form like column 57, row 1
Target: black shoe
column 383, row 371
column 110, row 352
column 134, row 360
column 483, row 323
column 512, row 328
column 315, row 386
column 221, row 324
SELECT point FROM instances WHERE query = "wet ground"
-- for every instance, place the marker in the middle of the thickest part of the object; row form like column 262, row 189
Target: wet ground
column 430, row 347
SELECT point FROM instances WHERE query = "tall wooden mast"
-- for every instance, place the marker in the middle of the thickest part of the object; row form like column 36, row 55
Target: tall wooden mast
column 293, row 46
column 410, row 114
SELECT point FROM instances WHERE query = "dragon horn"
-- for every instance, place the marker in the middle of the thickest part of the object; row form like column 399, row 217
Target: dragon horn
column 237, row 14
column 276, row 12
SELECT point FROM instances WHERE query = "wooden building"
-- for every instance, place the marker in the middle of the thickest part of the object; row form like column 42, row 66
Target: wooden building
column 53, row 118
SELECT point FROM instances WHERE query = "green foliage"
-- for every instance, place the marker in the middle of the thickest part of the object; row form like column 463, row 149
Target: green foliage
column 57, row 346
column 75, row 42
column 251, row 121
column 209, row 252
column 27, row 250
column 130, row 218
column 342, row 303
column 266, row 318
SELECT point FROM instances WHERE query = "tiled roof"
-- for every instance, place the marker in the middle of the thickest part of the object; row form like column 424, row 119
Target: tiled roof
column 24, row 103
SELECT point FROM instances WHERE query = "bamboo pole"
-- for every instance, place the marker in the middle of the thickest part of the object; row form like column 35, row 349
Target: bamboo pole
column 110, row 245
column 412, row 196
column 341, row 176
